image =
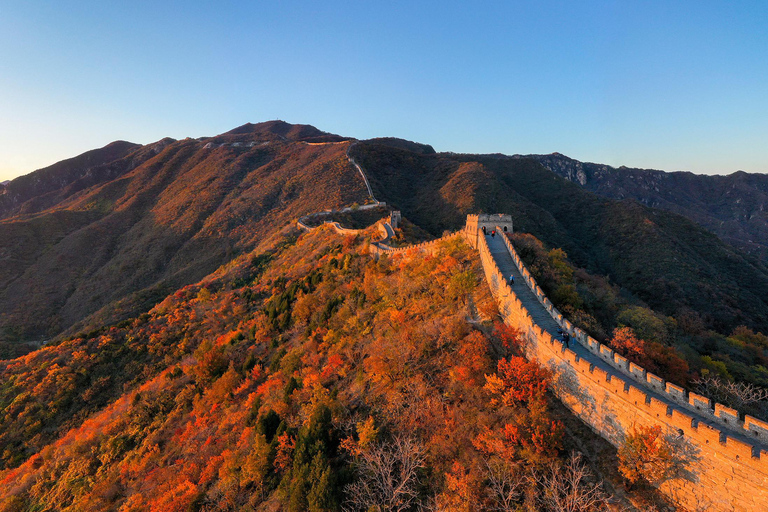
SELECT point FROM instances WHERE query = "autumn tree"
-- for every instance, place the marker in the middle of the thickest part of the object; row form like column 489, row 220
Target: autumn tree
column 570, row 487
column 388, row 477
column 645, row 454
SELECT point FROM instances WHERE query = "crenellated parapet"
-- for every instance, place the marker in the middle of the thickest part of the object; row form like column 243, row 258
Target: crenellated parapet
column 727, row 451
column 378, row 248
column 489, row 221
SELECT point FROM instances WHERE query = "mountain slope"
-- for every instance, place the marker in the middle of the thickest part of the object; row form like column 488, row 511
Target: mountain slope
column 735, row 207
column 271, row 384
column 45, row 187
column 119, row 246
column 668, row 261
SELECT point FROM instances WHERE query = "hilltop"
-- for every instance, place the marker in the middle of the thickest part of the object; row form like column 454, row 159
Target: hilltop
column 106, row 235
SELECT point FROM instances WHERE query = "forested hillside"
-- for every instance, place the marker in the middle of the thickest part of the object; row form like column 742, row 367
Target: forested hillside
column 668, row 261
column 296, row 379
column 94, row 244
column 734, row 207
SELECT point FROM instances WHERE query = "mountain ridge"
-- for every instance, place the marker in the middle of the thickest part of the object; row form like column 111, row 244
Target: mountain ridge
column 160, row 217
column 734, row 206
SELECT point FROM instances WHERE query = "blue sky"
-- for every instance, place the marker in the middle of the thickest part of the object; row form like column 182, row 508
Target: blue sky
column 669, row 85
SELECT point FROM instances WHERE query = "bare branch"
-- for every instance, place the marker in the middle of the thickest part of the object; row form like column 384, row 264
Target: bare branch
column 388, row 477
column 567, row 488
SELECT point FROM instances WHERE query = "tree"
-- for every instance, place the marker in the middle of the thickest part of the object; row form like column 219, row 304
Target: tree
column 739, row 395
column 517, row 381
column 568, row 488
column 506, row 484
column 387, row 477
column 646, row 455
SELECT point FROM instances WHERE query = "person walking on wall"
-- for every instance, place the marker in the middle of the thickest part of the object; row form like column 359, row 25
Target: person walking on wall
column 484, row 233
column 566, row 339
column 511, row 279
column 493, row 234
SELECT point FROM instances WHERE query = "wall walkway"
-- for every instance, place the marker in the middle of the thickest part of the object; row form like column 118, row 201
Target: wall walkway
column 724, row 465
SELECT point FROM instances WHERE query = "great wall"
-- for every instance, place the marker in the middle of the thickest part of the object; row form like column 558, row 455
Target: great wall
column 717, row 449
column 723, row 459
column 721, row 456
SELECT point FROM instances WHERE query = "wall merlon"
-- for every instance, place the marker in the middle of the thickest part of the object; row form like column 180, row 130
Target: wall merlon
column 637, row 371
column 599, row 374
column 584, row 366
column 655, row 381
column 727, row 415
column 617, row 385
column 570, row 356
column 637, row 396
column 620, row 361
column 606, row 352
column 701, row 403
column 676, row 393
column 708, row 433
column 682, row 420
column 661, row 409
column 739, row 448
column 756, row 428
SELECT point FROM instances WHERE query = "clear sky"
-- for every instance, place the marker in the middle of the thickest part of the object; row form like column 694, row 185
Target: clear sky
column 672, row 85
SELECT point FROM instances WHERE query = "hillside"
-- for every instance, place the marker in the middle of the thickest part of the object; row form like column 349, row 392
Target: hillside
column 733, row 206
column 294, row 379
column 671, row 263
column 106, row 235
column 45, row 187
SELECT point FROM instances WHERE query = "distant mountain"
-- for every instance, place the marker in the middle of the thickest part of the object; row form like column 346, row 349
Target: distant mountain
column 52, row 184
column 735, row 207
column 107, row 234
column 670, row 262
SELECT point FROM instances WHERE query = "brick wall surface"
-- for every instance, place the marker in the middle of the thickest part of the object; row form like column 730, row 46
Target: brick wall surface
column 722, row 471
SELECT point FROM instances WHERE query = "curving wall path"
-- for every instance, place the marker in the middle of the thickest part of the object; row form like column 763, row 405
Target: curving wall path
column 725, row 465
column 723, row 456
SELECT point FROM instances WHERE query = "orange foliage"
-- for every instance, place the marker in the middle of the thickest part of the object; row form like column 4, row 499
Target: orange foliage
column 285, row 445
column 472, row 359
column 517, row 381
column 654, row 357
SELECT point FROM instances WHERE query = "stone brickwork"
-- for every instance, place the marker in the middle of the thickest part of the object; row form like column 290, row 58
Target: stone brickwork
column 489, row 221
column 395, row 218
column 727, row 465
column 378, row 248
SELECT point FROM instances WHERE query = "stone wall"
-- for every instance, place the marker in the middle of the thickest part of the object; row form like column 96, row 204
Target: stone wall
column 489, row 221
column 377, row 249
column 724, row 471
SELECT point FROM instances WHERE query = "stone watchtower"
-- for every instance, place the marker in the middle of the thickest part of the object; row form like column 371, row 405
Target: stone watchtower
column 489, row 221
column 394, row 219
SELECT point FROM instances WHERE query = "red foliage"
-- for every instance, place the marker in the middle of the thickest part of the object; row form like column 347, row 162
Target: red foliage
column 654, row 357
column 518, row 381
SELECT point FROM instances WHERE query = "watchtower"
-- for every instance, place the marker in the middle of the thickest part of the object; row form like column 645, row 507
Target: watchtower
column 489, row 221
column 394, row 219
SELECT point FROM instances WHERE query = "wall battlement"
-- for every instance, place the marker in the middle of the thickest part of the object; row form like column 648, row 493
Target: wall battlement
column 727, row 452
column 489, row 221
column 379, row 248
column 723, row 450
